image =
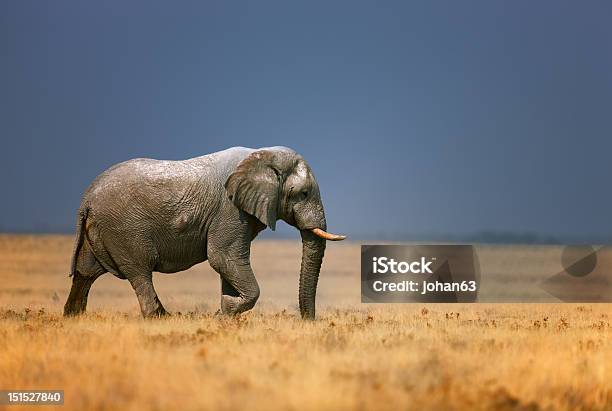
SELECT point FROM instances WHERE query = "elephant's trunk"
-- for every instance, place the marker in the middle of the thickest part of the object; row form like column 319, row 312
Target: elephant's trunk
column 313, row 248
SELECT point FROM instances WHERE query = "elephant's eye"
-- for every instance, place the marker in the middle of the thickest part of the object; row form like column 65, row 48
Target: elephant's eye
column 303, row 194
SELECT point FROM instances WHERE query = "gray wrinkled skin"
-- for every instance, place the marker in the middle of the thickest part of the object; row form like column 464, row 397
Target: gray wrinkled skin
column 146, row 215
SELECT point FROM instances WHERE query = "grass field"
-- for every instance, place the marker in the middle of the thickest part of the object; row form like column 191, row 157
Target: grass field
column 455, row 357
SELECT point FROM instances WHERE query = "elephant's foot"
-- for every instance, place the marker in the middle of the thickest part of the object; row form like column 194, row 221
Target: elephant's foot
column 231, row 305
column 74, row 310
column 159, row 312
column 151, row 307
column 74, row 306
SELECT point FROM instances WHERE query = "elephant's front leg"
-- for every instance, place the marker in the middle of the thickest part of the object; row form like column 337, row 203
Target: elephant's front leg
column 239, row 288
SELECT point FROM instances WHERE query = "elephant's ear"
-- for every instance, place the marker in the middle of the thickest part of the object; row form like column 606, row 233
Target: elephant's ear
column 255, row 187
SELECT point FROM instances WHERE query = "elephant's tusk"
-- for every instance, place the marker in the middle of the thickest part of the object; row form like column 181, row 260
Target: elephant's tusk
column 327, row 236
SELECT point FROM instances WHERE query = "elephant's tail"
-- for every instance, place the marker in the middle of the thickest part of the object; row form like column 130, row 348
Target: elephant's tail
column 80, row 228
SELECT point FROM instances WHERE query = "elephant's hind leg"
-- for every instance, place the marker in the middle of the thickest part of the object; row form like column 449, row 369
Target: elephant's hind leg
column 142, row 283
column 88, row 270
column 77, row 300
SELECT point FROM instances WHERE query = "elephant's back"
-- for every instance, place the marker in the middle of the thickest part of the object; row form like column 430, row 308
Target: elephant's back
column 143, row 193
column 221, row 163
column 139, row 176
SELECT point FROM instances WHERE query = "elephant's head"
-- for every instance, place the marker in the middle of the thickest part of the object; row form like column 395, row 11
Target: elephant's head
column 277, row 183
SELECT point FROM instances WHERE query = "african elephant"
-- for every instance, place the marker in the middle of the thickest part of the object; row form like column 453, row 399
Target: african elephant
column 146, row 215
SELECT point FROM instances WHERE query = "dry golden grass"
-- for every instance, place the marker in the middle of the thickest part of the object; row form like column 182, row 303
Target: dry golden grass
column 456, row 357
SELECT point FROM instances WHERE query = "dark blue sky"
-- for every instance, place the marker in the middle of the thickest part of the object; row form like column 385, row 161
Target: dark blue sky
column 418, row 118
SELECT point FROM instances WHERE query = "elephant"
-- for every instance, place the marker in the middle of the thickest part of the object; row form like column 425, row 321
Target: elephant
column 145, row 215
